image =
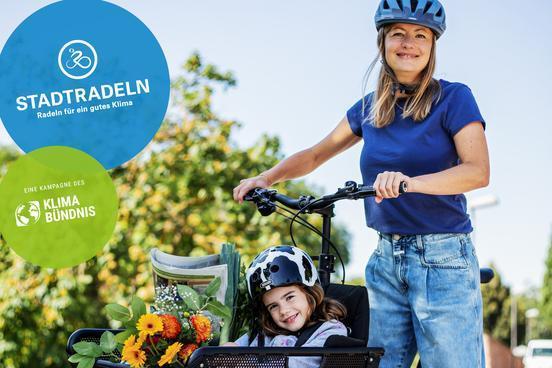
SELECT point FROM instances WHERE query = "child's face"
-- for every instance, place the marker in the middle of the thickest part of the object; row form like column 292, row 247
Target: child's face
column 288, row 306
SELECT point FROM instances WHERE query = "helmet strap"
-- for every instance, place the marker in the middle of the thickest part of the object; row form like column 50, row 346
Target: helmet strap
column 407, row 89
column 398, row 87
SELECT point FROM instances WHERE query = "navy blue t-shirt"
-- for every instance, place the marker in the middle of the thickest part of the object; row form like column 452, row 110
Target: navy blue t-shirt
column 416, row 148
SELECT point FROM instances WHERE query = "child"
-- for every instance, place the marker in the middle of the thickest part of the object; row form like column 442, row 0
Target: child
column 284, row 287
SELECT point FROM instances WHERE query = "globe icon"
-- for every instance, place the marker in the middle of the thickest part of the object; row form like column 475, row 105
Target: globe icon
column 27, row 213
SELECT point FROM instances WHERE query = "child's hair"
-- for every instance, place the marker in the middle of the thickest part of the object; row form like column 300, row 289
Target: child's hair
column 320, row 308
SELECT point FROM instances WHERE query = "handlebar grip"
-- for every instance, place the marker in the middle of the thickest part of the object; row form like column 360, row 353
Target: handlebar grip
column 288, row 201
column 368, row 189
column 486, row 274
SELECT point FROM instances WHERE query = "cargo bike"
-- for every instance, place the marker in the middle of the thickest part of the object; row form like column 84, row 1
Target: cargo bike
column 339, row 351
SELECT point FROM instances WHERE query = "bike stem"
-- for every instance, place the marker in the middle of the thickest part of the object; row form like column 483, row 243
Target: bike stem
column 326, row 260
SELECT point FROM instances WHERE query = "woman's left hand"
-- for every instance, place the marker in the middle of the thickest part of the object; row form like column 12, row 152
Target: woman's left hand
column 387, row 184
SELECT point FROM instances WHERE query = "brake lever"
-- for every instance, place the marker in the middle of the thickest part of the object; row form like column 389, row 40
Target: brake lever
column 261, row 198
column 350, row 187
column 258, row 193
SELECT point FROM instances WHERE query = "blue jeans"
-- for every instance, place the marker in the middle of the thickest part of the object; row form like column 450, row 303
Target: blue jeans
column 425, row 296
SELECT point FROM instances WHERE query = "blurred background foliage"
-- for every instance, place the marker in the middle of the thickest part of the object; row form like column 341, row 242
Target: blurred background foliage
column 544, row 320
column 176, row 196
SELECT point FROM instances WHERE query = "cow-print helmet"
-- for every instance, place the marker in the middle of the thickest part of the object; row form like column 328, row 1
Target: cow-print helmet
column 280, row 266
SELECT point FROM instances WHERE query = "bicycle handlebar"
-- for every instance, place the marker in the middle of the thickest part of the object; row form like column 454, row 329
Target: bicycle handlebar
column 264, row 198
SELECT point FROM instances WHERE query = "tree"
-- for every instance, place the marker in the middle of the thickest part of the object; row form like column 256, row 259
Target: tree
column 545, row 307
column 176, row 196
column 528, row 300
column 496, row 308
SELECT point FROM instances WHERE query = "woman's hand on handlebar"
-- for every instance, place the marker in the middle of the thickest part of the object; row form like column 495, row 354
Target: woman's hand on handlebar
column 260, row 181
column 387, row 184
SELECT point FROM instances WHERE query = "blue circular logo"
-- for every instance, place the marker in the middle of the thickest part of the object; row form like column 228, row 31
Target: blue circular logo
column 83, row 74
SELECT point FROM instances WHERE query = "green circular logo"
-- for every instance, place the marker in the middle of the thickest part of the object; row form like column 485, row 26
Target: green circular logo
column 59, row 207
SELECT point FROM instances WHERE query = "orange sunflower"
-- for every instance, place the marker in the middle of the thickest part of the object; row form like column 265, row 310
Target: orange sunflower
column 170, row 353
column 171, row 326
column 202, row 327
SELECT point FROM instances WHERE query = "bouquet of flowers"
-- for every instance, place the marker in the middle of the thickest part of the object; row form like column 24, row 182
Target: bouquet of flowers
column 179, row 322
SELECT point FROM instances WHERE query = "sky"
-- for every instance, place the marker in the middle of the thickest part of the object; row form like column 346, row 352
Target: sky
column 299, row 66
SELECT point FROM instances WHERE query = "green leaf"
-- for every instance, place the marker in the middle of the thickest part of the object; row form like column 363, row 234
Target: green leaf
column 189, row 296
column 107, row 342
column 213, row 287
column 219, row 309
column 130, row 324
column 75, row 358
column 118, row 312
column 122, row 336
column 90, row 349
column 87, row 362
column 138, row 308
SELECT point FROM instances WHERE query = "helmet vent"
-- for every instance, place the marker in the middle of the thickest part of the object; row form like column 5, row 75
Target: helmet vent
column 385, row 5
column 400, row 4
column 413, row 5
column 439, row 13
column 429, row 4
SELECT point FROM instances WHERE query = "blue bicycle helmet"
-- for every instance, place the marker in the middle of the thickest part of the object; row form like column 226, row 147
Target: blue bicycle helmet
column 428, row 13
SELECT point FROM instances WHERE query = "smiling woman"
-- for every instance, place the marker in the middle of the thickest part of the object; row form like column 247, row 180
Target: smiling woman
column 429, row 135
column 408, row 63
column 408, row 48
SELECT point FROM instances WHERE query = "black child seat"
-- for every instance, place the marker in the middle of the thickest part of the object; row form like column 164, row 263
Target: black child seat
column 339, row 351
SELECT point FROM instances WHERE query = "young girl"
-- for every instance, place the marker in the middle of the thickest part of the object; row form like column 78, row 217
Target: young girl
column 284, row 287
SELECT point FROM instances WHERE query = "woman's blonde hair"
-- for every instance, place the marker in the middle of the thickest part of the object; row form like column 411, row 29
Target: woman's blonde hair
column 320, row 308
column 417, row 106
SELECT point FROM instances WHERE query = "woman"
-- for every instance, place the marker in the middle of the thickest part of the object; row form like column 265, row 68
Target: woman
column 423, row 278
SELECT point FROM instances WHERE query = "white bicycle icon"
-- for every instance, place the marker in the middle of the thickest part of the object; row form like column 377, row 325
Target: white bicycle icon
column 77, row 60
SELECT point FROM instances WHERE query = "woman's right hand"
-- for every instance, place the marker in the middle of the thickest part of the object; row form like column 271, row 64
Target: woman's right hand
column 260, row 181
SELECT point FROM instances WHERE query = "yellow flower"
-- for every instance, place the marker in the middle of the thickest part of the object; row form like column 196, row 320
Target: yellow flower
column 149, row 324
column 170, row 353
column 141, row 338
column 133, row 356
column 130, row 342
